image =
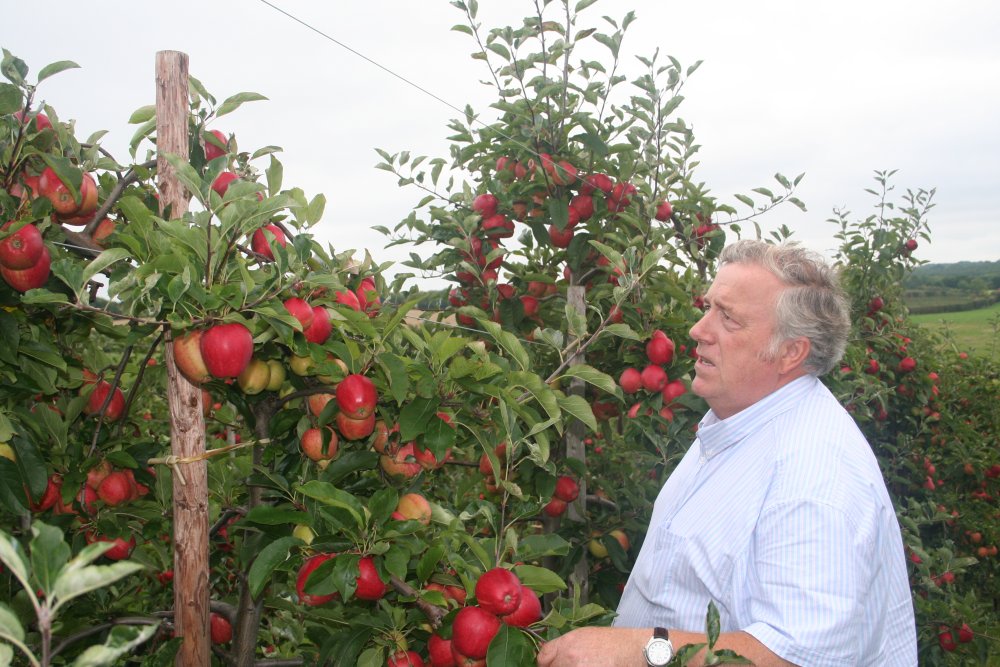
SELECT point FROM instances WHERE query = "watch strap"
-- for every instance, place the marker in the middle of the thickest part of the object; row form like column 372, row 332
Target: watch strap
column 661, row 633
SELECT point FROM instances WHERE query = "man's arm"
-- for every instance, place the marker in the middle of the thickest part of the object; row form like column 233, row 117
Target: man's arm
column 622, row 647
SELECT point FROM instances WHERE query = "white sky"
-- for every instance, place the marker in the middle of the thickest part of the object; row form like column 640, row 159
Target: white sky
column 835, row 90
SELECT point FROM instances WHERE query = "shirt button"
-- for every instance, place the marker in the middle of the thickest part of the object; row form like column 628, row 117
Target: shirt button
column 703, row 458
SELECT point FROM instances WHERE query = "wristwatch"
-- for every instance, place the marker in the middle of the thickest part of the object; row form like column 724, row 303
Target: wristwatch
column 658, row 650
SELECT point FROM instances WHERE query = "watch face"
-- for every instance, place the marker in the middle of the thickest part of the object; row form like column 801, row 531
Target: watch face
column 659, row 652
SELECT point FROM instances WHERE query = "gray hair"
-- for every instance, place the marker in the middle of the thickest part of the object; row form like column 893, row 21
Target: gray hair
column 813, row 305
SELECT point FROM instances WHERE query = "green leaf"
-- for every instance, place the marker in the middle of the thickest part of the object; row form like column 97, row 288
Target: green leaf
column 591, row 375
column 275, row 516
column 6, row 654
column 274, row 175
column 712, row 624
column 143, row 114
column 533, row 547
column 234, row 102
column 623, row 331
column 55, row 68
column 10, row 484
column 394, row 367
column 539, row 579
column 429, row 561
column 508, row 342
column 121, row 640
column 579, row 408
column 9, row 625
column 49, row 553
column 269, row 558
column 102, row 262
column 10, row 99
column 510, row 648
column 75, row 581
column 414, row 416
column 328, row 494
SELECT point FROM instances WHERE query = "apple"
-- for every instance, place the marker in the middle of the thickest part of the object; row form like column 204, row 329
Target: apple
column 498, row 591
column 104, row 229
column 530, row 304
column 227, row 349
column 356, row 396
column 32, row 277
column 497, row 227
column 653, row 378
column 485, row 205
column 663, row 211
column 115, row 489
column 907, row 365
column 567, row 489
column 301, row 365
column 910, row 245
column 255, row 377
column 41, row 121
column 347, row 298
column 660, row 349
column 876, row 304
column 116, row 405
column 22, row 249
column 400, row 465
column 367, row 294
column 673, row 390
column 313, row 447
column 121, row 550
column 307, row 568
column 560, row 238
column 222, row 182
column 321, row 328
column 275, row 375
column 472, row 631
column 355, row 429
column 260, row 242
column 426, row 458
column 187, row 356
column 555, row 508
column 413, row 506
column 211, row 150
column 220, row 629
column 403, row 658
column 583, row 205
column 304, row 533
column 370, row 584
column 946, row 639
column 51, row 495
column 630, row 380
column 965, row 634
column 317, row 402
column 301, row 310
column 52, row 188
column 88, row 203
column 439, row 650
column 529, row 610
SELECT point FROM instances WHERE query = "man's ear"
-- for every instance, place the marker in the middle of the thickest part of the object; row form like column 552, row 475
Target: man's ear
column 793, row 355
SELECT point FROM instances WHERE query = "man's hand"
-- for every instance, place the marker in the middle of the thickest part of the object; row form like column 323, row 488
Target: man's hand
column 596, row 647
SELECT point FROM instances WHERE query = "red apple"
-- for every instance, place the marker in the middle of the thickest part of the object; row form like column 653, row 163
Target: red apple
column 530, row 304
column 307, row 568
column 472, row 631
column 116, row 406
column 439, row 650
column 673, row 390
column 52, row 188
column 51, row 496
column 355, row 429
column 34, row 276
column 400, row 465
column 22, row 249
column 317, row 402
column 529, row 610
column 348, row 298
column 211, row 150
column 321, row 328
column 115, row 489
column 403, row 658
column 356, row 396
column 313, row 447
column 555, row 508
column 485, row 205
column 560, row 238
column 567, row 489
column 222, row 182
column 663, row 211
column 300, row 310
column 367, row 294
column 370, row 584
column 226, row 349
column 660, row 349
column 261, row 244
column 498, row 591
column 187, row 356
column 121, row 550
column 221, row 630
column 88, row 203
column 415, row 507
column 630, row 380
column 653, row 378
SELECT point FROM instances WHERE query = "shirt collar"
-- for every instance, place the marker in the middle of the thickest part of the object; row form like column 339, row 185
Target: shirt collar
column 716, row 435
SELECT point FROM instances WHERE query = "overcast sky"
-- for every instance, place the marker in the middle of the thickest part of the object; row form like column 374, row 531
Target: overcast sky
column 834, row 90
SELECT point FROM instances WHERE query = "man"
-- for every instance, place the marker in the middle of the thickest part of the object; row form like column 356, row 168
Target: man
column 778, row 512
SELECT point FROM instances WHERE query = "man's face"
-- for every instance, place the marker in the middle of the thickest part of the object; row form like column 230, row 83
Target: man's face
column 733, row 370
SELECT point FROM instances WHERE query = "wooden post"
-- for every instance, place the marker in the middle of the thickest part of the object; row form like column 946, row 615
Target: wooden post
column 577, row 511
column 187, row 424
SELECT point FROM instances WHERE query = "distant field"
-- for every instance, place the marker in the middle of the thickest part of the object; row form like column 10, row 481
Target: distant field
column 972, row 330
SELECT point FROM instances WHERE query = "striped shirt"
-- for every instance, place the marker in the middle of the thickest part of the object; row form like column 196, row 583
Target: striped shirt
column 779, row 514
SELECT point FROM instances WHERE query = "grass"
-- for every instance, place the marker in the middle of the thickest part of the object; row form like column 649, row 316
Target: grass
column 974, row 331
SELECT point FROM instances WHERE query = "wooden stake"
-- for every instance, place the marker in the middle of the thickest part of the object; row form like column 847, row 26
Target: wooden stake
column 187, row 424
